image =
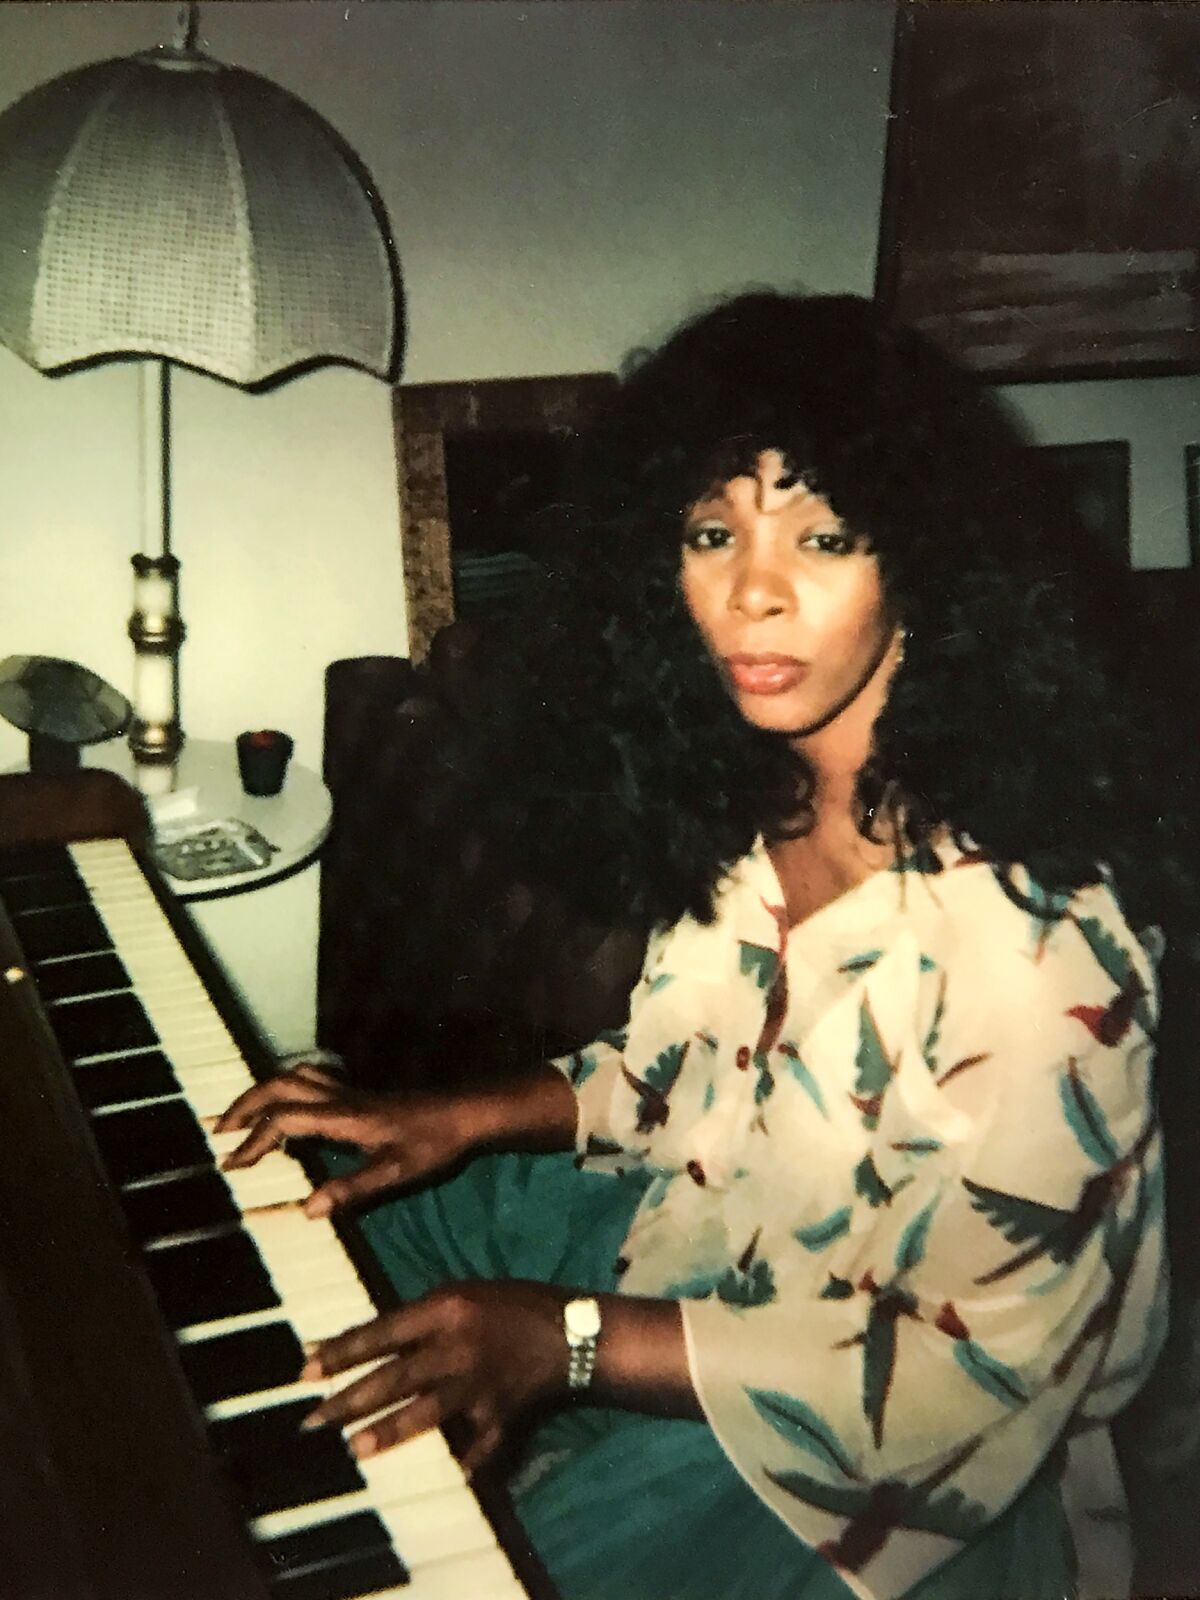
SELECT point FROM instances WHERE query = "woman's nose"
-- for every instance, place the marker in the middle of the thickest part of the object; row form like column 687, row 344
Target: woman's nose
column 759, row 588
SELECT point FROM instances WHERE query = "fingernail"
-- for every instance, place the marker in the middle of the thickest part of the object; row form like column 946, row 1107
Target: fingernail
column 311, row 1421
column 363, row 1444
column 317, row 1205
column 311, row 1370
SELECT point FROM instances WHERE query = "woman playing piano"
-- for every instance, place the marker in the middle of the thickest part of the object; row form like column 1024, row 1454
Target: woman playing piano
column 860, row 1246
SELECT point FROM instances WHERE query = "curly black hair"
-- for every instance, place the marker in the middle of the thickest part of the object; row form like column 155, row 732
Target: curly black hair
column 639, row 784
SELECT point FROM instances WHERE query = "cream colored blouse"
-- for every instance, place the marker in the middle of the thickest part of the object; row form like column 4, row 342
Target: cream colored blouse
column 907, row 1185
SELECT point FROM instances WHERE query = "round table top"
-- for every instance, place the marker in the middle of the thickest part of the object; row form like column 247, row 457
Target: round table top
column 207, row 789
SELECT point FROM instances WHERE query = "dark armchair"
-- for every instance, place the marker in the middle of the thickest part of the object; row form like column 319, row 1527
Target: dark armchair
column 436, row 961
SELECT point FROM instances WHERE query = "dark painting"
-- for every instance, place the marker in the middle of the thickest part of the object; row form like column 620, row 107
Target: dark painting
column 1043, row 194
column 1089, row 485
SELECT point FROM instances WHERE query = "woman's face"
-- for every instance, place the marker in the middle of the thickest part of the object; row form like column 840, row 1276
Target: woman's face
column 790, row 606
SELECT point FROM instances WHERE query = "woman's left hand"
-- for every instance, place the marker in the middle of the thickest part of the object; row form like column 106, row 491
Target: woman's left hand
column 482, row 1352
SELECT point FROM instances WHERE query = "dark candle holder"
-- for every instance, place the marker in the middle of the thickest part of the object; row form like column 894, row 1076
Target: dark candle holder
column 263, row 757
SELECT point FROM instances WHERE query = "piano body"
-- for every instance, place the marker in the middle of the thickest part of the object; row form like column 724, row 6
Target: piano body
column 153, row 1311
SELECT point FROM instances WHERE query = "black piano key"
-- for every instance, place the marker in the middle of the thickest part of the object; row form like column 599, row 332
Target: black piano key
column 80, row 975
column 125, row 1078
column 44, row 890
column 274, row 1465
column 249, row 1362
column 209, row 1278
column 67, row 931
column 361, row 1533
column 150, row 1141
column 182, row 1205
column 28, row 860
column 351, row 1579
column 102, row 1024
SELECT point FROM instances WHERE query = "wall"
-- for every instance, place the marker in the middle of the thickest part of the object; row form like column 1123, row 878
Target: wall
column 1159, row 417
column 565, row 179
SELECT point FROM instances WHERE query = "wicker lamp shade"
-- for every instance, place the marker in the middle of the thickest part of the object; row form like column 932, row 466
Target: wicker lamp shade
column 168, row 205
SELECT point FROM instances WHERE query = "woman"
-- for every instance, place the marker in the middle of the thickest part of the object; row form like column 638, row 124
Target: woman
column 861, row 1247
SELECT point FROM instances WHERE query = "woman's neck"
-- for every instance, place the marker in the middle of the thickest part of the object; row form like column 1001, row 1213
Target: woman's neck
column 837, row 752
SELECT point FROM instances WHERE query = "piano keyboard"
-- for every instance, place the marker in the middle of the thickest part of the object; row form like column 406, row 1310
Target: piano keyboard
column 242, row 1277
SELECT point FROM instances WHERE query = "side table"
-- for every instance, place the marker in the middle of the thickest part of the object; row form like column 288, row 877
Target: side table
column 295, row 821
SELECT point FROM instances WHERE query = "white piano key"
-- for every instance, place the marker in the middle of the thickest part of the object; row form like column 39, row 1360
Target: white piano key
column 296, row 1519
column 421, row 1465
column 300, row 1252
column 420, row 1470
column 314, row 1318
column 315, row 1389
column 327, row 1312
column 432, row 1526
column 268, row 1184
column 193, row 1032
column 196, row 1332
column 193, row 1057
column 483, row 1574
column 212, row 1090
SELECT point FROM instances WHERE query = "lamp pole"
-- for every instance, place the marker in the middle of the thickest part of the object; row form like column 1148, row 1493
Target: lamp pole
column 156, row 629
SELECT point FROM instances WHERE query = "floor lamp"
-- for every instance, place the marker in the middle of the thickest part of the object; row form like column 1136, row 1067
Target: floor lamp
column 167, row 206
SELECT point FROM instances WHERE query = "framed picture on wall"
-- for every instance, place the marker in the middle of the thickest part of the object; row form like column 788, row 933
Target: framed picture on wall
column 1040, row 191
column 1091, row 483
column 478, row 463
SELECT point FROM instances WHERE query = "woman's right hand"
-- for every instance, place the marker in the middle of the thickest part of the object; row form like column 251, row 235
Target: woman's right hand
column 406, row 1138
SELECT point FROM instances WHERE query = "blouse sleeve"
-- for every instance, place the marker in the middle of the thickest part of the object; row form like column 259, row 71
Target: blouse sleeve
column 907, row 1366
column 621, row 1092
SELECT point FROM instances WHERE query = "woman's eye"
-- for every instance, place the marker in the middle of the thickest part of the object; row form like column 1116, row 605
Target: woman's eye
column 831, row 542
column 706, row 536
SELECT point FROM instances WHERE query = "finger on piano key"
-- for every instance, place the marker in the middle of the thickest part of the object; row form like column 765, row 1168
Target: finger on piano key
column 276, row 1180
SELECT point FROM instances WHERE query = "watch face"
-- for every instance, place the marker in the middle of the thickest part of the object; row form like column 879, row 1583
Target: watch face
column 582, row 1319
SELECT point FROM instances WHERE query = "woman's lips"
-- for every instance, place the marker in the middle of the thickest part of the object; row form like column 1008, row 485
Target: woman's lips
column 765, row 674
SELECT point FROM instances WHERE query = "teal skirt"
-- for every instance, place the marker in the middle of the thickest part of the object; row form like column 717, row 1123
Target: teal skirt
column 619, row 1506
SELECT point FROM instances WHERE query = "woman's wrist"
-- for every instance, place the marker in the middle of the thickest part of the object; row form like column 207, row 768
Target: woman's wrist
column 641, row 1358
column 537, row 1111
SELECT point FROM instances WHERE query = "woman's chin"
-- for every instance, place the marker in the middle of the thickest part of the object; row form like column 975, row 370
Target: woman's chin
column 779, row 713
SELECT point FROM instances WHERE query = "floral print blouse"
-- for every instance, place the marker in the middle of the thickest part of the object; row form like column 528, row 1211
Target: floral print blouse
column 906, row 1181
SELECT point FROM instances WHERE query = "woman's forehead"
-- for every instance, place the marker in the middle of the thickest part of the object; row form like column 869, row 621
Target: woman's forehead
column 776, row 481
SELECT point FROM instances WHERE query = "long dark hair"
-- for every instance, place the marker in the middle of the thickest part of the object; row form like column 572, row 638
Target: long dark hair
column 640, row 784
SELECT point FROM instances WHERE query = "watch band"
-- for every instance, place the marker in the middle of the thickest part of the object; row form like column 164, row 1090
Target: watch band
column 581, row 1325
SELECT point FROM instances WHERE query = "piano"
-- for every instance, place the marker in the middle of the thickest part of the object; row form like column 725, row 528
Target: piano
column 153, row 1311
